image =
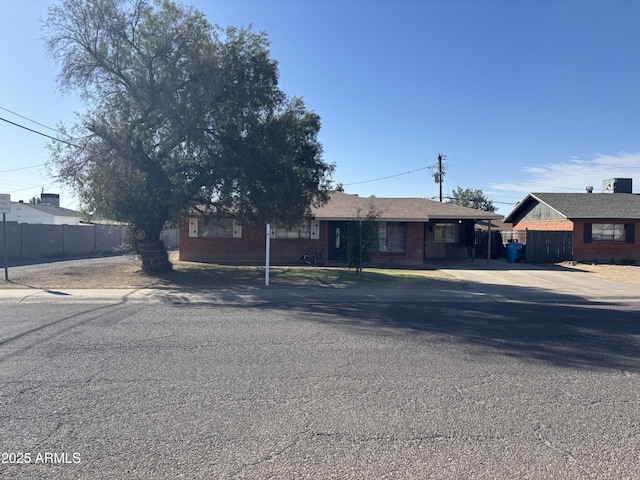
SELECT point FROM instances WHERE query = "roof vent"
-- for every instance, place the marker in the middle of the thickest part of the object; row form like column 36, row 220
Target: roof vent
column 589, row 189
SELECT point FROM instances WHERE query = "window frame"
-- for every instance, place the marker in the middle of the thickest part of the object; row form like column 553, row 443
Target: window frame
column 225, row 227
column 307, row 230
column 446, row 233
column 608, row 232
column 392, row 237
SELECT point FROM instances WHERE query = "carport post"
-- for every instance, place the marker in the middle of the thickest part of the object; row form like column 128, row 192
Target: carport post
column 489, row 242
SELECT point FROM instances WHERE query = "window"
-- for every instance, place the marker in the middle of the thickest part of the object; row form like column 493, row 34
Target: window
column 219, row 228
column 308, row 229
column 607, row 232
column 447, row 233
column 610, row 232
column 392, row 236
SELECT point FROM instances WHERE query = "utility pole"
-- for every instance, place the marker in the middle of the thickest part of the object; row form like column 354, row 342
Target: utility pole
column 440, row 175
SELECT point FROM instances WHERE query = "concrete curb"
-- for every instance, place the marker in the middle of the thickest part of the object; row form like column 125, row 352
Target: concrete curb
column 232, row 296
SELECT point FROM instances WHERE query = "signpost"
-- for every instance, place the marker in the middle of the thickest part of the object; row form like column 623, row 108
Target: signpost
column 267, row 254
column 5, row 207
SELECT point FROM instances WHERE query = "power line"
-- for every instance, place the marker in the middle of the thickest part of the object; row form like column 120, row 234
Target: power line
column 27, row 118
column 40, row 133
column 23, row 168
column 396, row 165
column 390, row 176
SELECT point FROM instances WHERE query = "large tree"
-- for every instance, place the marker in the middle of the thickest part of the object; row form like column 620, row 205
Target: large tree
column 472, row 198
column 180, row 114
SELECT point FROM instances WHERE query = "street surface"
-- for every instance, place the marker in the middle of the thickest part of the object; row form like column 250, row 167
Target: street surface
column 489, row 382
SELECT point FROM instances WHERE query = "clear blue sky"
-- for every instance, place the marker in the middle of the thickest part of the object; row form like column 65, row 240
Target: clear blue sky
column 519, row 96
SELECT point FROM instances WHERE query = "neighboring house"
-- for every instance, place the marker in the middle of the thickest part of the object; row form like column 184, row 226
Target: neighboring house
column 605, row 226
column 45, row 214
column 411, row 230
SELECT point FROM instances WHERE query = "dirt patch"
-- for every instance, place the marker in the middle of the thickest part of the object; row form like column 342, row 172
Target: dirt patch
column 125, row 272
column 617, row 273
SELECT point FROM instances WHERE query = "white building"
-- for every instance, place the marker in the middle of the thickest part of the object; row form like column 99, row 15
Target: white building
column 48, row 213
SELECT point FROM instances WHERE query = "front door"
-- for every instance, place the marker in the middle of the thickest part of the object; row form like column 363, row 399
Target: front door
column 337, row 241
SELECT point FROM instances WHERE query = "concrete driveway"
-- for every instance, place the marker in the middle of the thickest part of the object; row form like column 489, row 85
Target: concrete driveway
column 524, row 281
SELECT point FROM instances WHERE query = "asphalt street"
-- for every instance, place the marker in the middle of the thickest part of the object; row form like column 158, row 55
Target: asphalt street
column 447, row 386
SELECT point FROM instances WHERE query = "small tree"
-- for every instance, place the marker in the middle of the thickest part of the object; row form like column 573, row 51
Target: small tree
column 362, row 238
column 472, row 199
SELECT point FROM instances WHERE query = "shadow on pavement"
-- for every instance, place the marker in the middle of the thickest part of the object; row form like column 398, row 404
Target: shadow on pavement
column 571, row 336
column 564, row 330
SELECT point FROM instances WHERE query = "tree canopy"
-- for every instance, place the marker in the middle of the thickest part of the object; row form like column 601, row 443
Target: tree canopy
column 472, row 199
column 180, row 113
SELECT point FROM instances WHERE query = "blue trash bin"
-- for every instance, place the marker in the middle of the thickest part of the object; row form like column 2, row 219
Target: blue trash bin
column 512, row 251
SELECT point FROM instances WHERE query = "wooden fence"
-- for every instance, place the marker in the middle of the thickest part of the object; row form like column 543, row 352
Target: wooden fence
column 549, row 247
column 539, row 246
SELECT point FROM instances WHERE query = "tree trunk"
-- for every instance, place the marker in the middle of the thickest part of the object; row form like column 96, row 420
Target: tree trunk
column 154, row 256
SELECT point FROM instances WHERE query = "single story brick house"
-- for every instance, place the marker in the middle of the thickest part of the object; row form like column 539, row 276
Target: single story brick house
column 605, row 226
column 411, row 231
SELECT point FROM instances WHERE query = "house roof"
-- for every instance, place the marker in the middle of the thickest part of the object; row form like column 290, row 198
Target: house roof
column 582, row 205
column 48, row 209
column 343, row 206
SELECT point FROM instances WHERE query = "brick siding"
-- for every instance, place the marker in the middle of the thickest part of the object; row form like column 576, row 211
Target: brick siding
column 547, row 225
column 594, row 251
column 414, row 247
column 605, row 251
column 250, row 249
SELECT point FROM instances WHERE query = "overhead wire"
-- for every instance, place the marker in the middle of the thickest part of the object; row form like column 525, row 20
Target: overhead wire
column 387, row 177
column 22, row 168
column 40, row 133
column 29, row 119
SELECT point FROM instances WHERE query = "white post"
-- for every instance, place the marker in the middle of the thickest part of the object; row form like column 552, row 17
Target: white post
column 266, row 272
column 6, row 258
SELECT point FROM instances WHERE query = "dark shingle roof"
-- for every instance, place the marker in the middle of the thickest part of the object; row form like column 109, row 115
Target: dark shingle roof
column 585, row 205
column 342, row 206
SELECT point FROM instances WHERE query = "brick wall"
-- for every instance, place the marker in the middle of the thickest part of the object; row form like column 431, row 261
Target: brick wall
column 250, row 249
column 414, row 247
column 547, row 225
column 605, row 251
column 594, row 251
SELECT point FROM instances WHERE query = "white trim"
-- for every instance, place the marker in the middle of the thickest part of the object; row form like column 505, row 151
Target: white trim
column 237, row 229
column 193, row 227
column 315, row 230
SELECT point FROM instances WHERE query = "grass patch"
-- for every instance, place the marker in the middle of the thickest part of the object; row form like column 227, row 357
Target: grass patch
column 225, row 276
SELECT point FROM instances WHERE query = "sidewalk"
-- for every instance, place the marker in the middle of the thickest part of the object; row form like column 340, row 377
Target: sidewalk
column 475, row 281
column 245, row 296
